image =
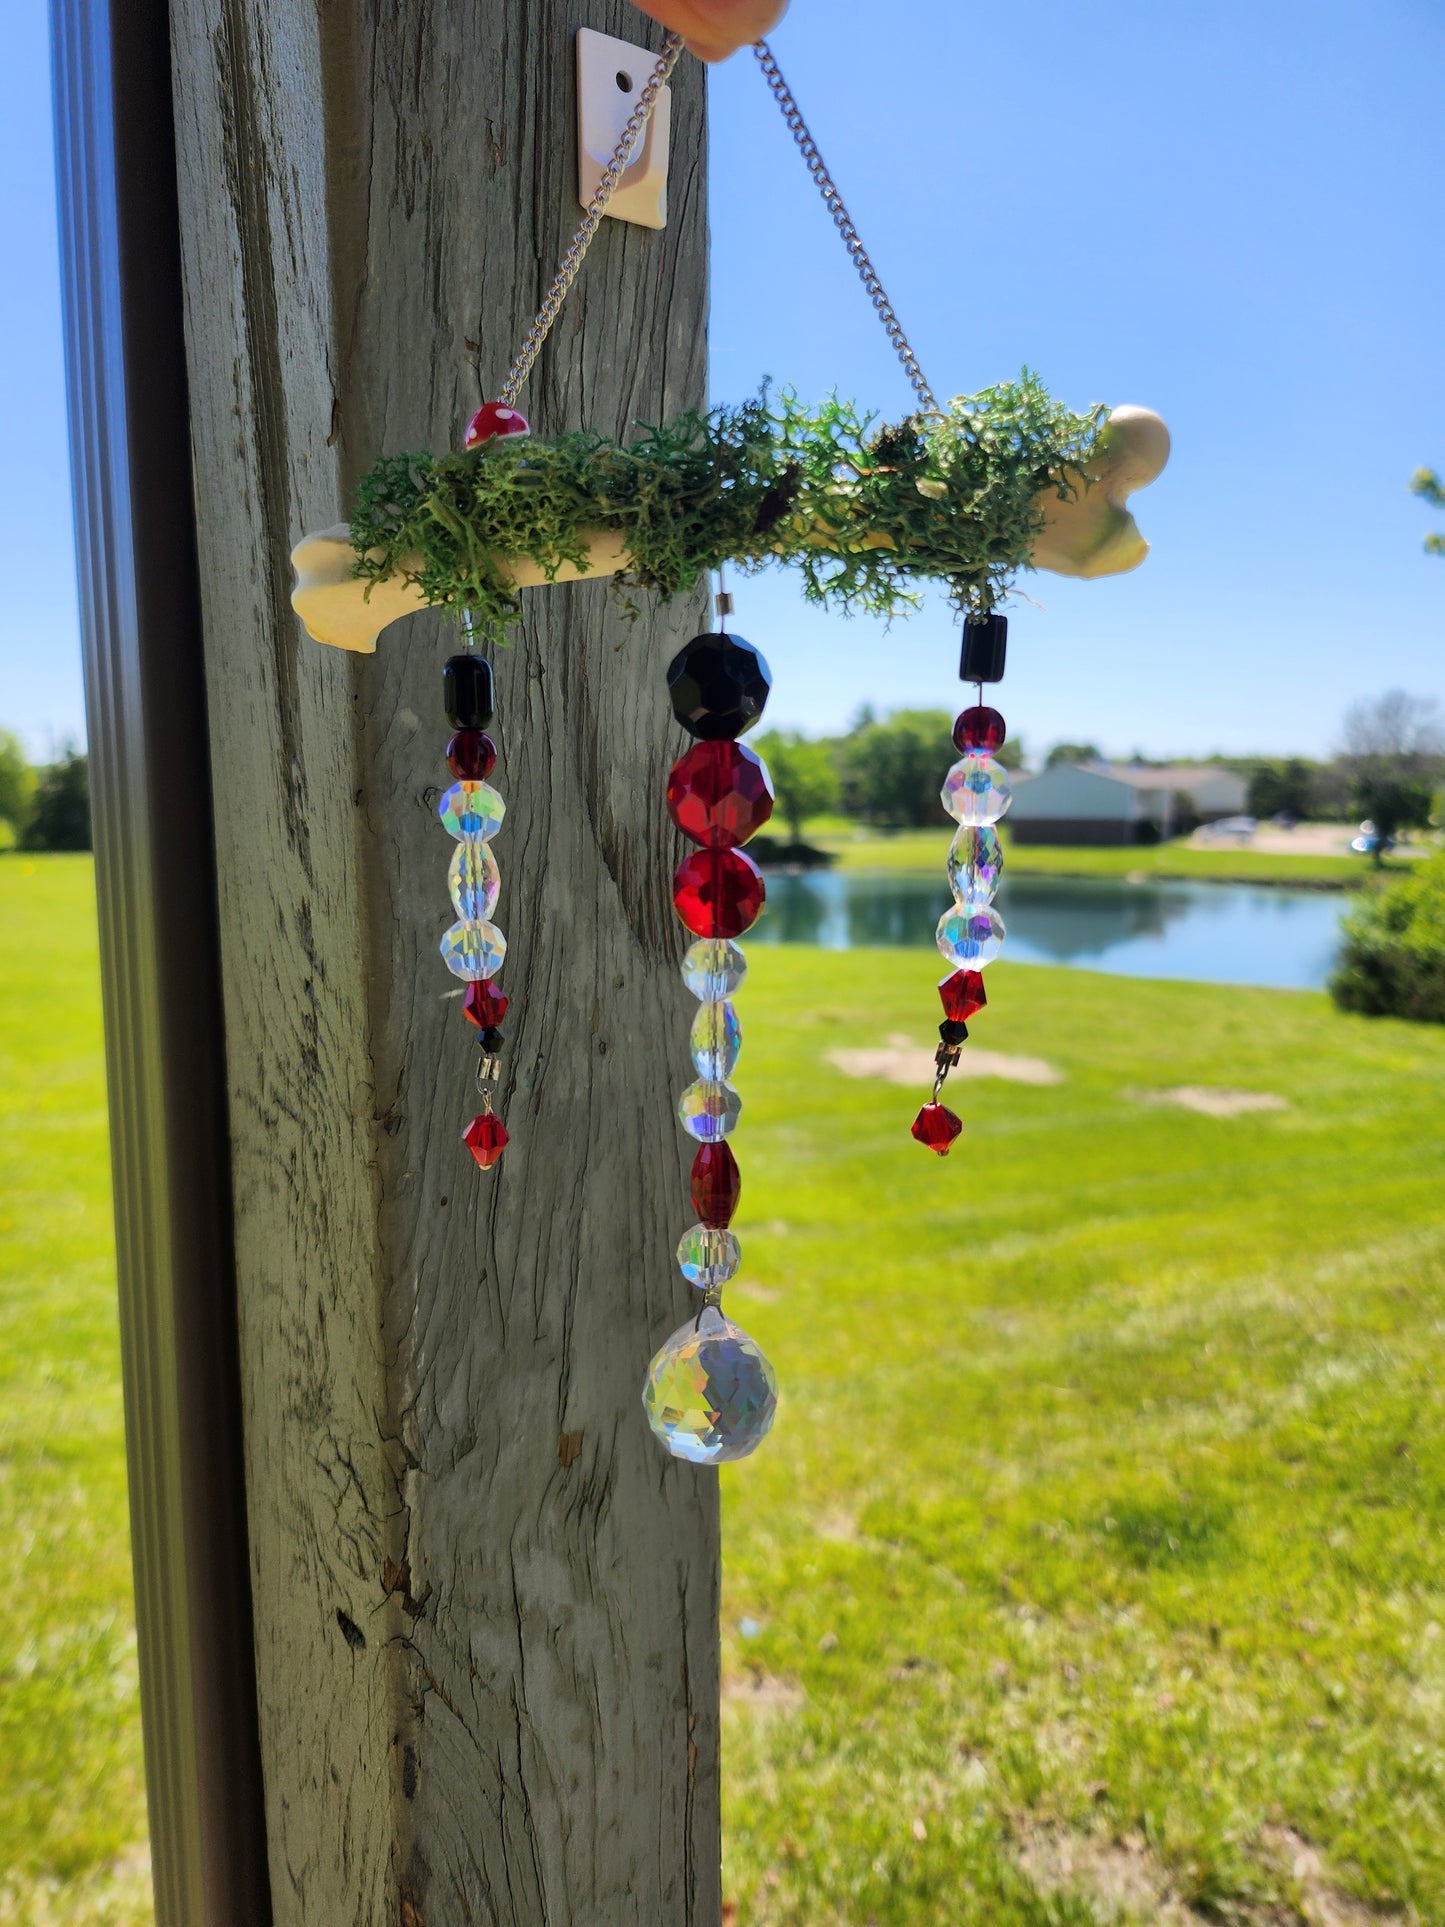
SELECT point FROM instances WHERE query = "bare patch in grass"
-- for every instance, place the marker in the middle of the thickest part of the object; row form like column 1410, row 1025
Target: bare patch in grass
column 899, row 1061
column 761, row 1696
column 118, row 1895
column 1209, row 1102
column 1125, row 1879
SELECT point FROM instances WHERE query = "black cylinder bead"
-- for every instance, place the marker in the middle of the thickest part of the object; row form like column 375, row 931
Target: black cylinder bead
column 985, row 647
column 467, row 691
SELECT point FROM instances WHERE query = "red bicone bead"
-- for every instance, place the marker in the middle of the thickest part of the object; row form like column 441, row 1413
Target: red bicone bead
column 484, row 1005
column 719, row 794
column 471, row 755
column 962, row 994
column 486, row 1138
column 717, row 1184
column 492, row 418
column 937, row 1127
column 979, row 728
column 718, row 893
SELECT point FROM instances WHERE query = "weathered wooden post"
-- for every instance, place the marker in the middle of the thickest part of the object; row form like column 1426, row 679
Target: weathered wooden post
column 484, row 1603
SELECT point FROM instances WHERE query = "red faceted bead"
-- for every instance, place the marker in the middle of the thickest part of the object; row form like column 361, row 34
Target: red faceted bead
column 484, row 1005
column 492, row 418
column 717, row 1184
column 471, row 755
column 718, row 893
column 719, row 794
column 962, row 994
column 937, row 1127
column 486, row 1138
column 979, row 728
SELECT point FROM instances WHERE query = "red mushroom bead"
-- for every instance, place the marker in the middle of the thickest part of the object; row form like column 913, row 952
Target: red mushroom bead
column 494, row 418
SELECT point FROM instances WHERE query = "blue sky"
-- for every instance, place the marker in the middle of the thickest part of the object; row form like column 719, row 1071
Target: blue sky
column 1230, row 213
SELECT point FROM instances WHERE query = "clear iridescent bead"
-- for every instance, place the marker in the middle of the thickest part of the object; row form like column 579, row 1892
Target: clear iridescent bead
column 471, row 811
column 970, row 938
column 473, row 950
column 708, row 1257
column 975, row 863
column 474, row 880
column 717, row 1038
column 711, row 1395
column 713, row 968
column 976, row 790
column 709, row 1110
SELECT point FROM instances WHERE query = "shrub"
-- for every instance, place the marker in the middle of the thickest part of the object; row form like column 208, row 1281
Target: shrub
column 1393, row 960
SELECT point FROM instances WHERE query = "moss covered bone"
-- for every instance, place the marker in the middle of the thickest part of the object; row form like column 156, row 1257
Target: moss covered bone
column 1006, row 479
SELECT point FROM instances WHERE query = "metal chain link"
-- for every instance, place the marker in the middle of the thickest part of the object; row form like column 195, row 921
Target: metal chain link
column 843, row 221
column 591, row 221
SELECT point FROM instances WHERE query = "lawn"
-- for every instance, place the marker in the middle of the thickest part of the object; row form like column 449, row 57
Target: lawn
column 71, row 1803
column 855, row 848
column 1093, row 1572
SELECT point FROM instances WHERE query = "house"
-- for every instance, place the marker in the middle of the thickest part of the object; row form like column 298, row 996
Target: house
column 1120, row 802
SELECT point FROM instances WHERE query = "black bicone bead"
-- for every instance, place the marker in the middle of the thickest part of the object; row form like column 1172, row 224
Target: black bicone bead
column 718, row 684
column 490, row 1041
column 953, row 1030
column 467, row 691
column 985, row 646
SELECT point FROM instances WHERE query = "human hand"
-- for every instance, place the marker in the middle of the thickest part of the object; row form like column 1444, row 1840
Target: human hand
column 713, row 29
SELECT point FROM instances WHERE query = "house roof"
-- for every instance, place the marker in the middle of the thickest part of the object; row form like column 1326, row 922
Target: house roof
column 1139, row 776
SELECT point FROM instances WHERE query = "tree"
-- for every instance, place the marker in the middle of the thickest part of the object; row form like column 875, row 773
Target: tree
column 892, row 771
column 1396, row 726
column 1427, row 484
column 1393, row 803
column 1281, row 789
column 805, row 776
column 1073, row 753
column 17, row 784
column 60, row 813
column 1394, row 753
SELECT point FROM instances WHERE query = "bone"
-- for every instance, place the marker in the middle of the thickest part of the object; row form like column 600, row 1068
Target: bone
column 1093, row 534
column 339, row 608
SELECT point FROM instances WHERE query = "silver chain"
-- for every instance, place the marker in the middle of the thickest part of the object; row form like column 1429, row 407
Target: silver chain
column 591, row 221
column 621, row 157
column 843, row 221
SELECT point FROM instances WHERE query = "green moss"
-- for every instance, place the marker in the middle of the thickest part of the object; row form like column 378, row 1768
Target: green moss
column 951, row 500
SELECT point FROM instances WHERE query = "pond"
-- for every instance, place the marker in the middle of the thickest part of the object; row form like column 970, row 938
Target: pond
column 1209, row 932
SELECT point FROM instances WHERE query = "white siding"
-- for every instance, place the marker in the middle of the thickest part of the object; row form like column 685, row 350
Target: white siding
column 1068, row 792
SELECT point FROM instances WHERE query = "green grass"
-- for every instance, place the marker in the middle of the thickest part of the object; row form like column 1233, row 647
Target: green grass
column 926, row 850
column 1101, row 1523
column 71, row 1803
column 1094, row 1566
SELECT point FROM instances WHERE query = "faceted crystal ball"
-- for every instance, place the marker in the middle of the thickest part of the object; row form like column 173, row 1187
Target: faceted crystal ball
column 718, row 893
column 711, row 1395
column 718, row 684
column 713, row 968
column 717, row 1039
column 976, row 790
column 970, row 938
column 473, row 950
column 474, row 880
column 975, row 864
column 471, row 812
column 719, row 794
column 708, row 1256
column 709, row 1110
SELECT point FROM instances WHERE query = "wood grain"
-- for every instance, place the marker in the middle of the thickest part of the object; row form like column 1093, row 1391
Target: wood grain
column 485, row 1602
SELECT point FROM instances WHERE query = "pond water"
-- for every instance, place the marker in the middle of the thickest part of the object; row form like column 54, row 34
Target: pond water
column 1208, row 932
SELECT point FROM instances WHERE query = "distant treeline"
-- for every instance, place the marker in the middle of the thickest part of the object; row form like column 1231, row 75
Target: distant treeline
column 887, row 771
column 45, row 807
